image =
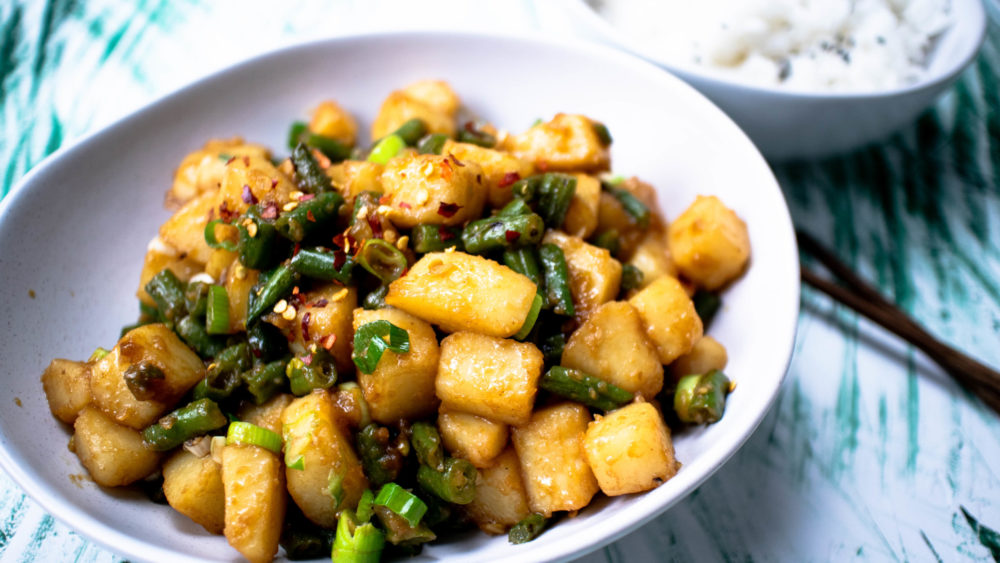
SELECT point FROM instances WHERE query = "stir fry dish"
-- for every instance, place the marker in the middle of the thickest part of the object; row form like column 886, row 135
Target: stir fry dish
column 353, row 350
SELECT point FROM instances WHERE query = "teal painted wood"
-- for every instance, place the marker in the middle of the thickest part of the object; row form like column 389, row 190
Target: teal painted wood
column 870, row 452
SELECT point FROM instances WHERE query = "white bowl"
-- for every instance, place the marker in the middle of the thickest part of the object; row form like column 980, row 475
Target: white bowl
column 74, row 231
column 786, row 124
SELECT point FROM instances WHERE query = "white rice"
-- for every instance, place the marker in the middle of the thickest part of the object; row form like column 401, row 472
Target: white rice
column 804, row 45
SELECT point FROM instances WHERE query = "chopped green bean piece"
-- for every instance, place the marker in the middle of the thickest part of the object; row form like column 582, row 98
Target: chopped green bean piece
column 296, row 132
column 432, row 144
column 381, row 460
column 196, row 298
column 631, row 277
column 636, row 209
column 525, row 262
column 603, row 135
column 701, row 398
column 260, row 245
column 266, row 342
column 310, row 176
column 412, row 131
column 265, row 381
column 528, row 529
column 585, row 389
column 456, row 483
column 382, row 260
column 609, row 239
column 502, row 232
column 435, row 238
column 194, row 419
column 557, row 289
column 319, row 373
column 310, row 216
column 168, row 293
column 517, row 206
column 376, row 298
column 321, row 264
column 426, row 441
column 270, row 289
column 386, row 149
column 529, row 321
column 192, row 331
column 554, row 197
column 706, row 304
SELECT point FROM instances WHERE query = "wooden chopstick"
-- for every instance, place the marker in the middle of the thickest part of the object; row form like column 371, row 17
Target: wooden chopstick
column 979, row 379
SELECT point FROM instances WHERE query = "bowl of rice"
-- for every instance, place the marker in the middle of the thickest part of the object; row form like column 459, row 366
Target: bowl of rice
column 803, row 78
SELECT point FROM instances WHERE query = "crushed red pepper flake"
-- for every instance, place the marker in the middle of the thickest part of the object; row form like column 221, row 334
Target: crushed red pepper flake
column 232, row 158
column 307, row 197
column 455, row 160
column 305, row 326
column 246, row 160
column 376, row 225
column 542, row 165
column 384, row 199
column 404, row 205
column 339, row 258
column 309, row 216
column 297, row 248
column 320, row 303
column 445, row 234
column 270, row 211
column 512, row 235
column 329, row 341
column 307, row 360
column 295, row 290
column 225, row 213
column 448, row 210
column 248, row 197
column 508, row 179
column 274, row 183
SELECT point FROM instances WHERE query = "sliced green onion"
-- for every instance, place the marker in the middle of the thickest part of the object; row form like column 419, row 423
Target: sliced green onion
column 383, row 260
column 370, row 339
column 401, row 502
column 335, row 486
column 529, row 321
column 365, row 503
column 225, row 156
column 217, row 315
column 356, row 542
column 297, row 464
column 98, row 354
column 253, row 435
column 215, row 243
column 387, row 148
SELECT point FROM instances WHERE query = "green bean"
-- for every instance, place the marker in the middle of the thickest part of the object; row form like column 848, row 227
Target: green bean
column 412, row 131
column 149, row 313
column 525, row 262
column 701, row 398
column 476, row 137
column 259, row 245
column 527, row 188
column 706, row 304
column 527, row 529
column 220, row 390
column 426, row 442
column 517, row 206
column 501, row 232
column 223, row 374
column 196, row 298
column 456, row 483
column 321, row 264
column 554, row 197
column 145, row 380
column 435, row 238
column 631, row 277
column 432, row 144
column 383, row 260
column 369, row 202
column 332, row 148
column 609, row 239
column 557, row 290
column 310, row 175
column 265, row 381
column 168, row 293
column 303, row 539
column 603, row 135
column 309, row 216
column 636, row 209
column 153, row 488
column 399, row 532
column 296, row 131
column 277, row 284
column 376, row 298
column 552, row 348
column 192, row 332
column 585, row 389
column 196, row 418
column 319, row 373
column 267, row 343
column 380, row 458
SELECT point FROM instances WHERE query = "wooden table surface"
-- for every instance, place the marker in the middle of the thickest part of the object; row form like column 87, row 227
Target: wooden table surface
column 870, row 453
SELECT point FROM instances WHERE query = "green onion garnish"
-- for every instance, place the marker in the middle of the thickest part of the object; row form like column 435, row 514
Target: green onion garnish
column 253, row 435
column 217, row 315
column 215, row 243
column 370, row 343
column 98, row 354
column 401, row 502
column 356, row 542
column 364, row 512
column 388, row 147
column 335, row 486
column 529, row 321
column 383, row 260
column 298, row 463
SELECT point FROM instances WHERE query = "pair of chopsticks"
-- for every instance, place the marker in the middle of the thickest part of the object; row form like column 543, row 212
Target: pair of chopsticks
column 854, row 292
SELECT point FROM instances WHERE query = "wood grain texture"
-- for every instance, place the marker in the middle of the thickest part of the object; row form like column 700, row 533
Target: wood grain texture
column 870, row 452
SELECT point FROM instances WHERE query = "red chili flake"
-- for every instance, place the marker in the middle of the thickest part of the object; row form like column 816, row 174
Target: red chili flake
column 512, row 236
column 248, row 197
column 232, row 158
column 246, row 160
column 307, row 197
column 274, row 183
column 309, row 216
column 225, row 213
column 297, row 248
column 307, row 360
column 338, row 240
column 455, row 160
column 320, row 303
column 270, row 211
column 255, row 352
column 211, row 214
column 375, row 223
column 384, row 199
column 404, row 205
column 305, row 326
column 448, row 209
column 508, row 179
column 329, row 341
column 339, row 257
column 300, row 299
column 542, row 165
column 445, row 234
column 295, row 290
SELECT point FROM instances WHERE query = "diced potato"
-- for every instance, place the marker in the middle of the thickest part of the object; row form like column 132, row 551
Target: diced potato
column 331, row 120
column 613, row 346
column 435, row 94
column 219, row 262
column 630, row 450
column 472, row 437
column 652, row 258
column 488, row 376
column 267, row 185
column 501, row 500
column 550, row 447
column 710, row 243
column 581, row 218
column 254, row 485
column 312, row 435
column 67, row 388
column 193, row 487
column 459, row 291
column 352, row 177
column 239, row 283
column 350, row 406
column 402, row 385
column 185, row 230
column 202, row 170
column 267, row 415
column 566, row 143
column 594, row 275
column 400, row 107
column 330, row 308
column 428, row 188
column 158, row 345
column 669, row 317
column 500, row 169
column 706, row 355
column 159, row 256
column 113, row 454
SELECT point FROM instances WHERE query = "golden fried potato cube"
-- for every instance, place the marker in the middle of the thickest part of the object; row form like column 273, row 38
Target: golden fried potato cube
column 201, row 171
column 254, row 485
column 265, row 185
column 317, row 453
column 630, row 450
column 333, row 121
column 492, row 377
column 459, row 291
column 706, row 355
column 501, row 500
column 267, row 415
column 219, row 262
column 67, row 388
column 594, row 275
column 471, row 437
column 402, row 385
column 160, row 256
column 499, row 169
column 550, row 448
column 710, row 243
column 185, row 230
column 428, row 188
column 159, row 346
column 400, row 107
column 613, row 346
column 113, row 454
column 193, row 487
column 581, row 217
column 326, row 316
column 566, row 143
column 239, row 283
column 435, row 94
column 652, row 257
column 668, row 315
column 352, row 177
